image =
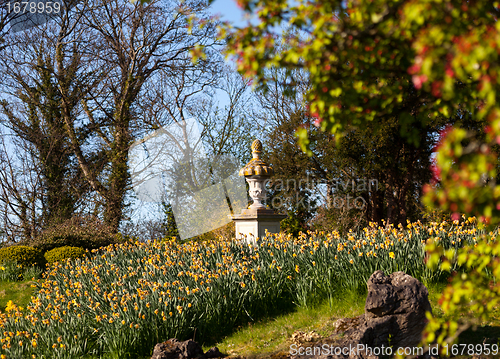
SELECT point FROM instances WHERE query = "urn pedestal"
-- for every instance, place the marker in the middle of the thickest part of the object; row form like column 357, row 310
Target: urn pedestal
column 252, row 224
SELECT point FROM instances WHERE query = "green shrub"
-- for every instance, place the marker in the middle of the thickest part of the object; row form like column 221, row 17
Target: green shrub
column 292, row 225
column 23, row 255
column 62, row 253
column 85, row 232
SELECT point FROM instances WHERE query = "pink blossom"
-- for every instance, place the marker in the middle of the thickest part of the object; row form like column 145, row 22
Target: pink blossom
column 419, row 80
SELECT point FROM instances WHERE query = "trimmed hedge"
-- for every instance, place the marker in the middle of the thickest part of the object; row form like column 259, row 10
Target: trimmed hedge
column 85, row 232
column 24, row 255
column 62, row 253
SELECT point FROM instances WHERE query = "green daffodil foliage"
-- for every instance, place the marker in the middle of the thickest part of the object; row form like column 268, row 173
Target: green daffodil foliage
column 415, row 60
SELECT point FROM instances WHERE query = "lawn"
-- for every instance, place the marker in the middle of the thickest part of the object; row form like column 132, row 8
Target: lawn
column 19, row 292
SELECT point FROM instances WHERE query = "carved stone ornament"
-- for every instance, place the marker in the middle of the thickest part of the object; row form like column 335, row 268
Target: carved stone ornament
column 256, row 167
column 257, row 173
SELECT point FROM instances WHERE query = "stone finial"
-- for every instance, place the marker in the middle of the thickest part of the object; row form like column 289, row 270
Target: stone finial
column 256, row 147
column 256, row 167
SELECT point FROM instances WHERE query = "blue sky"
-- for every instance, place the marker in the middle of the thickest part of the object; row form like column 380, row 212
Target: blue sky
column 228, row 10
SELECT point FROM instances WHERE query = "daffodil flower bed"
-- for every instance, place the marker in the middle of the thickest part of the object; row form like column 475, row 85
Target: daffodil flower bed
column 126, row 298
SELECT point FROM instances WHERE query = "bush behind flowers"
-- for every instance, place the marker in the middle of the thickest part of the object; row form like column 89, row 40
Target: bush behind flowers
column 84, row 232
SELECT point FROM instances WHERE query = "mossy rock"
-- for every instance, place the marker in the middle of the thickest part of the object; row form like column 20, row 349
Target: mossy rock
column 22, row 255
column 62, row 253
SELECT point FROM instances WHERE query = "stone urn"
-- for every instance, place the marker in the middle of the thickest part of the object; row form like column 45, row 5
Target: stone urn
column 253, row 222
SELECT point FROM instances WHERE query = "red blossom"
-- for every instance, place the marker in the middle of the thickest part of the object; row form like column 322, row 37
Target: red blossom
column 413, row 69
column 436, row 88
column 455, row 216
column 436, row 174
column 468, row 184
column 485, row 219
column 449, row 72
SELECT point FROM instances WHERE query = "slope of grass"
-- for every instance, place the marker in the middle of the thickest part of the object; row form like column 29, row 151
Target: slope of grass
column 19, row 292
column 272, row 338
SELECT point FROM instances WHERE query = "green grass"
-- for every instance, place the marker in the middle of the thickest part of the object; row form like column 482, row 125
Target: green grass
column 19, row 292
column 272, row 336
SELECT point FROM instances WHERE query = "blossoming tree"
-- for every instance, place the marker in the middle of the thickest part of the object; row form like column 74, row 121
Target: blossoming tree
column 364, row 58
